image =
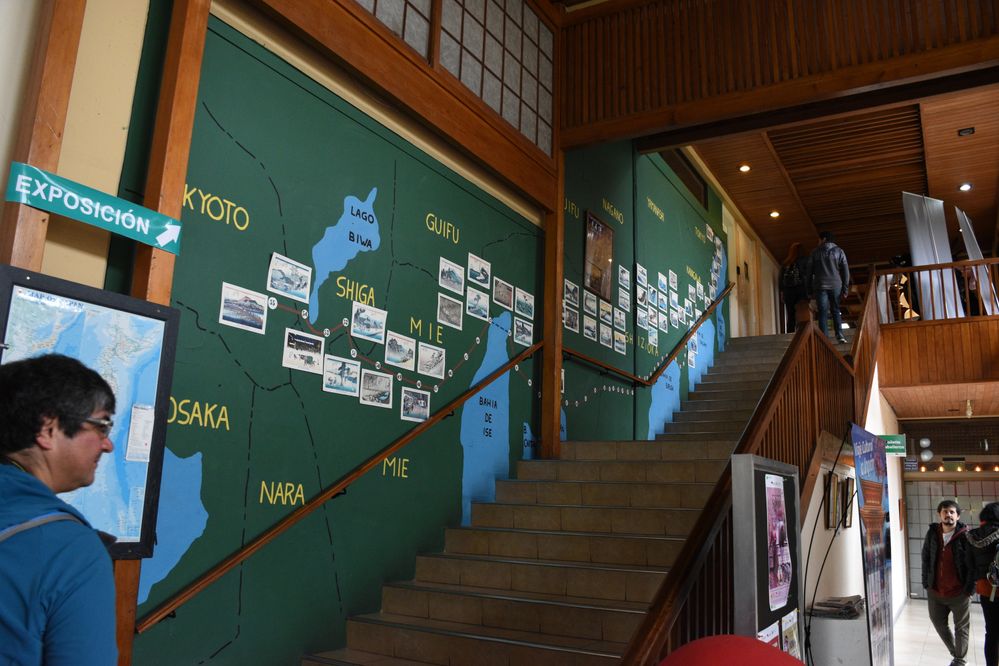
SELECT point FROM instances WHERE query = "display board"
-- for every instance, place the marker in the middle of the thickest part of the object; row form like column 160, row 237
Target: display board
column 767, row 577
column 875, row 534
column 130, row 343
column 337, row 286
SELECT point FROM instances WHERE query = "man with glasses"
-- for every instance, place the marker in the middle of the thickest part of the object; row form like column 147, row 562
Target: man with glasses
column 56, row 586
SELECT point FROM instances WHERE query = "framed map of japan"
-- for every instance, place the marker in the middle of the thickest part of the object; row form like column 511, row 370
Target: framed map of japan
column 129, row 342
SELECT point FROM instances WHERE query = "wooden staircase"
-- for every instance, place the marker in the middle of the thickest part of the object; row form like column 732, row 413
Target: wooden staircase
column 561, row 568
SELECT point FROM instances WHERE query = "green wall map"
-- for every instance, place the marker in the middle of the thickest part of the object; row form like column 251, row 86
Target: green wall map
column 279, row 165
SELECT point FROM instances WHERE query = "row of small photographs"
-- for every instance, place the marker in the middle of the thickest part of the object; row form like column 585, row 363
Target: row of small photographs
column 449, row 313
column 451, row 276
column 344, row 376
column 570, row 319
column 570, row 298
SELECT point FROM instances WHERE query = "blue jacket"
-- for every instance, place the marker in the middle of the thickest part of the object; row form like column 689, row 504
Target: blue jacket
column 56, row 587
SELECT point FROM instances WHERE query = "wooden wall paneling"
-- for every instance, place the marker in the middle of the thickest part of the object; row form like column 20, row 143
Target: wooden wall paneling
column 43, row 119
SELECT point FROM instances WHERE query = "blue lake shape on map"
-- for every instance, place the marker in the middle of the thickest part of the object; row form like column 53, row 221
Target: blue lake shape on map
column 665, row 400
column 180, row 521
column 486, row 458
column 356, row 231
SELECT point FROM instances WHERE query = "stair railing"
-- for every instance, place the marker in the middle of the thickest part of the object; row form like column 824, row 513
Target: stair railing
column 864, row 352
column 654, row 376
column 339, row 486
column 811, row 391
column 938, row 291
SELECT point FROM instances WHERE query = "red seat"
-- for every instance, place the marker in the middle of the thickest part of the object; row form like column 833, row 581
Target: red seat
column 724, row 650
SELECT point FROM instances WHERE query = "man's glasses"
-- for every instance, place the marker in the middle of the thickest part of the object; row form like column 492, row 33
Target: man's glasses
column 102, row 426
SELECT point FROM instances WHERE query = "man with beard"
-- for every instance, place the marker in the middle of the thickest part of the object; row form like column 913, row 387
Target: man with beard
column 947, row 579
column 56, row 586
column 984, row 542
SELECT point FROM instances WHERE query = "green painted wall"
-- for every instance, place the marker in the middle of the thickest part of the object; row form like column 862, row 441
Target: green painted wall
column 275, row 158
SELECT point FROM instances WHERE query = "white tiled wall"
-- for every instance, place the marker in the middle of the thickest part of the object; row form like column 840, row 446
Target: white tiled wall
column 921, row 499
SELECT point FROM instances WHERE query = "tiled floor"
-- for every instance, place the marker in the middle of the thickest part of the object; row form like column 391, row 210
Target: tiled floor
column 917, row 642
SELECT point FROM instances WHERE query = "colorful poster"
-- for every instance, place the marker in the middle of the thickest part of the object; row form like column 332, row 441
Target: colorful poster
column 770, row 635
column 872, row 476
column 789, row 633
column 779, row 567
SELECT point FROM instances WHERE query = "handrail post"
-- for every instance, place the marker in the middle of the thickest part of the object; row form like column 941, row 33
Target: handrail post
column 803, row 313
column 551, row 356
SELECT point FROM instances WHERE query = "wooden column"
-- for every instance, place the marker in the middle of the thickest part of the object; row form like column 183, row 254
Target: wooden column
column 153, row 276
column 43, row 119
column 551, row 357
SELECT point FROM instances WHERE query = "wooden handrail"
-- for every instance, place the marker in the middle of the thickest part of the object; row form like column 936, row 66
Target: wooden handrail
column 640, row 381
column 967, row 263
column 189, row 592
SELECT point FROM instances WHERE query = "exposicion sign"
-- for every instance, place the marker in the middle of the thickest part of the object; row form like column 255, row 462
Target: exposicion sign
column 46, row 191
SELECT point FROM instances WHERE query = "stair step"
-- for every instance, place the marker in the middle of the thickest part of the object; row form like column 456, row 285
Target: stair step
column 740, row 373
column 603, row 519
column 350, row 657
column 685, row 438
column 724, row 392
column 730, row 416
column 752, row 340
column 705, row 405
column 648, row 471
column 598, row 493
column 635, row 451
column 746, row 360
column 732, row 426
column 446, row 643
column 548, row 615
column 630, row 549
column 723, row 383
column 574, row 579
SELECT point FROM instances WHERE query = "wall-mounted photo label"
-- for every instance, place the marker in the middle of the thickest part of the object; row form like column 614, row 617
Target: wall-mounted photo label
column 376, row 389
column 653, row 337
column 341, row 375
column 303, row 351
column 479, row 270
column 289, row 278
column 503, row 294
column 624, row 300
column 523, row 332
column 570, row 295
column 570, row 319
column 525, row 304
column 606, row 312
column 653, row 319
column 449, row 311
column 619, row 319
column 653, row 297
column 674, row 318
column 673, row 282
column 431, row 361
column 641, row 276
column 674, row 299
column 400, row 351
column 415, row 405
column 624, row 277
column 642, row 297
column 243, row 309
column 643, row 318
column 589, row 328
column 368, row 322
column 590, row 303
column 606, row 335
column 664, row 322
column 663, row 283
column 620, row 342
column 451, row 276
column 477, row 304
column 691, row 292
column 598, row 260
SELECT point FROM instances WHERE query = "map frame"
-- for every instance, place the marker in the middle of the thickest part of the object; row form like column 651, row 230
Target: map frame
column 11, row 277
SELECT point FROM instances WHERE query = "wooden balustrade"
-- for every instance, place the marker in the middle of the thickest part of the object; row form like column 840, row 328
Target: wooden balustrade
column 811, row 391
column 865, row 351
column 938, row 291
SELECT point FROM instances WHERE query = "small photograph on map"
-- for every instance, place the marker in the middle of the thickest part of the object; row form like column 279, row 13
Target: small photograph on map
column 400, row 351
column 688, row 305
column 664, row 322
column 624, row 300
column 590, row 303
column 673, row 281
column 700, row 291
column 477, row 304
column 653, row 319
column 674, row 299
column 571, row 294
column 570, row 318
column 653, row 297
column 523, row 332
column 449, row 311
column 642, row 296
column 643, row 318
column 376, row 389
column 641, row 276
column 674, row 318
column 620, row 342
column 525, row 304
column 653, row 337
column 664, row 303
column 431, row 361
column 479, row 270
column 242, row 308
column 663, row 283
column 368, row 323
column 691, row 360
column 606, row 312
column 606, row 335
column 624, row 277
column 341, row 375
column 712, row 292
column 503, row 294
column 303, row 351
column 697, row 314
column 691, row 292
column 589, row 328
column 451, row 276
column 415, row 405
column 289, row 278
column 709, row 231
column 619, row 319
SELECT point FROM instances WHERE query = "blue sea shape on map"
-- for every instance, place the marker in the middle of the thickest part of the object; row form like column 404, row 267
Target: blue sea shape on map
column 665, row 400
column 485, row 425
column 181, row 518
column 356, row 231
column 562, row 427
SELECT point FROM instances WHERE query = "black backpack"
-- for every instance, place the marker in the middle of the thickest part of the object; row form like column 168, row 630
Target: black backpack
column 792, row 277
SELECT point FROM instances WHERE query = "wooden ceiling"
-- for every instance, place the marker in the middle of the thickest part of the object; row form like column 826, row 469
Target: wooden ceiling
column 847, row 173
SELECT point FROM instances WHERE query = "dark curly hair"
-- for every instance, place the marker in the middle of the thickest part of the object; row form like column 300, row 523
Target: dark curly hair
column 48, row 386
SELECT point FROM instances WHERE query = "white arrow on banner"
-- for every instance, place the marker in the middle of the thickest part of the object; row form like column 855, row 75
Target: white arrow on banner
column 171, row 234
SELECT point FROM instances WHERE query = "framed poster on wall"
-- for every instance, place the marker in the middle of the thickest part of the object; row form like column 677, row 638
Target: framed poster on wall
column 769, row 588
column 598, row 257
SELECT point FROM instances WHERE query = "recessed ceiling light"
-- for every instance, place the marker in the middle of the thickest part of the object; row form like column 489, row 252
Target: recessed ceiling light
column 775, row 214
column 964, row 187
column 744, row 168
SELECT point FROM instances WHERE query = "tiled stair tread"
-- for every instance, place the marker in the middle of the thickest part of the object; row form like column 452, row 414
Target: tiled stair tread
column 626, row 568
column 621, row 483
column 349, row 657
column 527, row 597
column 588, row 507
column 526, row 638
column 567, row 533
